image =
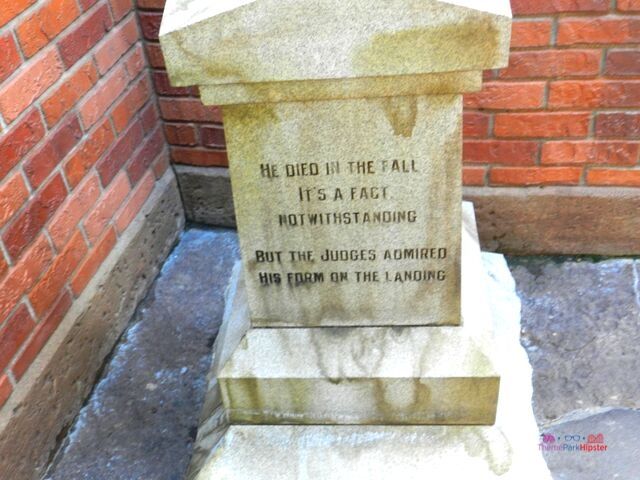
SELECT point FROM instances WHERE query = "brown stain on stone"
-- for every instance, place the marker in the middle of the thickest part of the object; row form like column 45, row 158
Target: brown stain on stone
column 427, row 48
column 402, row 114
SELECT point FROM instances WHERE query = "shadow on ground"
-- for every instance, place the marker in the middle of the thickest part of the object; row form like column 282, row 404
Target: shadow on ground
column 580, row 327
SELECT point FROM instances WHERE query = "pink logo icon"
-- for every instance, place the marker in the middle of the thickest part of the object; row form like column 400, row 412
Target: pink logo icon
column 595, row 438
column 548, row 438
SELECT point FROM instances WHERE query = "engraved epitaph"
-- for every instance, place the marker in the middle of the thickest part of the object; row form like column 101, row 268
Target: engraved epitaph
column 343, row 125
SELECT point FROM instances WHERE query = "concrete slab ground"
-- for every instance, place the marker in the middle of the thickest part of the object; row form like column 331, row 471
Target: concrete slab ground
column 581, row 329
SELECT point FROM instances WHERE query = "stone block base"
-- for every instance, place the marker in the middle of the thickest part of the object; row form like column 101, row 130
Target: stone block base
column 507, row 450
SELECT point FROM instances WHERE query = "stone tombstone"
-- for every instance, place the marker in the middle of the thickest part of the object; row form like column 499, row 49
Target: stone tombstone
column 343, row 122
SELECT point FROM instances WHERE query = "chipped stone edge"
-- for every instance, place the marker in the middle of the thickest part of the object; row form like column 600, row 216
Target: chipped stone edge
column 52, row 391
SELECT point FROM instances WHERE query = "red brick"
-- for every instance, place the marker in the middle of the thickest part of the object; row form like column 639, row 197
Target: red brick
column 161, row 165
column 587, row 30
column 529, row 7
column 10, row 56
column 121, row 8
column 103, row 96
column 87, row 4
column 617, row 178
column 623, row 62
column 618, row 125
column 200, row 158
column 134, row 62
column 117, row 43
column 64, row 98
column 26, row 87
column 151, row 4
column 108, row 204
column 163, row 86
column 45, row 24
column 6, row 389
column 475, row 125
column 508, row 96
column 213, row 136
column 92, row 263
column 14, row 333
column 64, row 223
column 541, row 125
column 150, row 23
column 4, row 267
column 503, row 152
column 24, row 275
column 154, row 54
column 13, row 194
column 149, row 117
column 47, row 290
column 473, row 176
column 131, row 103
column 188, row 110
column 527, row 176
column 135, row 202
column 18, row 141
column 181, row 134
column 30, row 221
column 596, row 93
column 11, row 9
column 42, row 334
column 531, row 33
column 629, row 5
column 553, row 63
column 85, row 36
column 610, row 153
column 88, row 153
column 39, row 165
column 109, row 166
column 143, row 159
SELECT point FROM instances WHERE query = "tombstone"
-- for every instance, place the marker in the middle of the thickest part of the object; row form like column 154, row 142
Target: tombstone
column 357, row 328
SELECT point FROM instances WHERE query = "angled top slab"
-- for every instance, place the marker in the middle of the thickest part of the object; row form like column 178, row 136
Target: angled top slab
column 242, row 41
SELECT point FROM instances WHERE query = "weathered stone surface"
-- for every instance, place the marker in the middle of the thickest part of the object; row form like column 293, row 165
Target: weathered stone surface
column 506, row 451
column 141, row 419
column 54, row 387
column 373, row 376
column 385, row 183
column 240, row 42
column 581, row 330
column 385, row 375
column 370, row 87
column 558, row 220
column 206, row 193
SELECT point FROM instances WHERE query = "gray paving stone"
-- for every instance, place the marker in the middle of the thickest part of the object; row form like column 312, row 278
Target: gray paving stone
column 581, row 329
column 141, row 419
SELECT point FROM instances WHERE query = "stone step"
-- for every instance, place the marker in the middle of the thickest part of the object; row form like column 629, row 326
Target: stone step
column 385, row 375
column 268, row 452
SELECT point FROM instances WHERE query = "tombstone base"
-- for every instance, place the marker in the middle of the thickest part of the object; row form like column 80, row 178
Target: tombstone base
column 506, row 450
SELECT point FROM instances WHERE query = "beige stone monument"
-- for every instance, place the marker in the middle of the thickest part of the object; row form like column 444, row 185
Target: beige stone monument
column 361, row 299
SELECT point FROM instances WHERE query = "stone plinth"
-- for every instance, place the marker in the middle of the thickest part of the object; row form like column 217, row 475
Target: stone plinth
column 506, row 450
column 383, row 375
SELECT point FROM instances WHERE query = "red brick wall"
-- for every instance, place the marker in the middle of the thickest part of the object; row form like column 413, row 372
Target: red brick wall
column 566, row 111
column 81, row 147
